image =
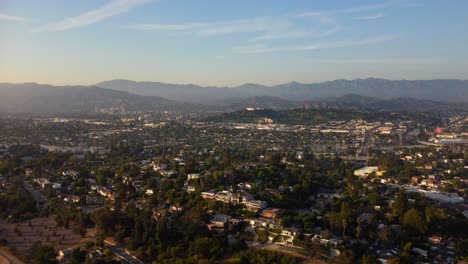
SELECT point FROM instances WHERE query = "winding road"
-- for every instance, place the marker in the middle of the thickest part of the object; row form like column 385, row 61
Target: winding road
column 8, row 258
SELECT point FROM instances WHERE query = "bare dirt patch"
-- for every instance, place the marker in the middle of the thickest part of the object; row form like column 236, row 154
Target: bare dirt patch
column 22, row 236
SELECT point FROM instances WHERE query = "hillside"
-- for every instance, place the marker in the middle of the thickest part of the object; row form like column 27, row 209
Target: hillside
column 40, row 98
column 366, row 103
column 32, row 98
column 436, row 90
column 294, row 116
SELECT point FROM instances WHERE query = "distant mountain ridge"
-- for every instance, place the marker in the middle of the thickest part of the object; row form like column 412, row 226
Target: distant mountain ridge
column 42, row 98
column 358, row 102
column 445, row 90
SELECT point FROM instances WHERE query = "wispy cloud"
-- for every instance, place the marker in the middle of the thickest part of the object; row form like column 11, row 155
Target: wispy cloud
column 331, row 15
column 324, row 18
column 111, row 9
column 258, row 48
column 7, row 17
column 358, row 9
column 284, row 35
column 295, row 34
column 371, row 17
column 266, row 27
column 330, row 31
column 390, row 61
column 167, row 27
column 362, row 42
column 325, row 45
column 221, row 28
column 245, row 26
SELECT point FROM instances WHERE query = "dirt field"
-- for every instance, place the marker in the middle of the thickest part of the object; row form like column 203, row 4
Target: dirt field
column 22, row 236
column 3, row 260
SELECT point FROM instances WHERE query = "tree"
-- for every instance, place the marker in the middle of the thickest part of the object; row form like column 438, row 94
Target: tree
column 370, row 259
column 400, row 205
column 345, row 216
column 341, row 219
column 359, row 229
column 414, row 221
column 407, row 249
column 207, row 247
column 77, row 256
column 105, row 220
column 352, row 186
column 265, row 257
column 388, row 236
column 374, row 198
column 346, row 257
column 435, row 215
column 43, row 254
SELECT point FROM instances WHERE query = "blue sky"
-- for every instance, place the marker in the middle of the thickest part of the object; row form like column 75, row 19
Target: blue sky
column 221, row 42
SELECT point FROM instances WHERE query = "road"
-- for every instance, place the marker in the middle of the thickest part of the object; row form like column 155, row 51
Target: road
column 122, row 253
column 9, row 257
column 119, row 250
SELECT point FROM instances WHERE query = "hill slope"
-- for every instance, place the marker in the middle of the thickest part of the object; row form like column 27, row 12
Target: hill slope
column 32, row 97
column 436, row 90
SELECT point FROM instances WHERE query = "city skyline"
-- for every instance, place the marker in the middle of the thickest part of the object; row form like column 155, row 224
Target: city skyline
column 227, row 44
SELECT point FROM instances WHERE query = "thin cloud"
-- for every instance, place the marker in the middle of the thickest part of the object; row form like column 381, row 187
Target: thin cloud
column 331, row 31
column 7, row 17
column 294, row 34
column 283, row 35
column 390, row 61
column 258, row 48
column 245, row 26
column 323, row 18
column 329, row 17
column 325, row 45
column 111, row 9
column 167, row 27
column 363, row 42
column 358, row 9
column 221, row 28
column 371, row 17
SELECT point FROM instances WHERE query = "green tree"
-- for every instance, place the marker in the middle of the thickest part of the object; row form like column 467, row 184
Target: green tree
column 400, row 205
column 207, row 247
column 43, row 254
column 414, row 220
column 346, row 257
column 105, row 220
column 77, row 256
column 370, row 259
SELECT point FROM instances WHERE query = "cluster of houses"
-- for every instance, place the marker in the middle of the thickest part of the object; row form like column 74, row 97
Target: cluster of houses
column 236, row 198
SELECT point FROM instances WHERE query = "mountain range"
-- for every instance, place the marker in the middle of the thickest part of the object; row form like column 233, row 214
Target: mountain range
column 436, row 90
column 39, row 98
column 360, row 94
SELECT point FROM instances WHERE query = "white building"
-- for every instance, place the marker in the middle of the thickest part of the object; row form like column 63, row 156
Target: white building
column 193, row 176
column 365, row 171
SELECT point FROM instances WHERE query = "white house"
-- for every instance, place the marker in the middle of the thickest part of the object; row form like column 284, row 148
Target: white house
column 365, row 171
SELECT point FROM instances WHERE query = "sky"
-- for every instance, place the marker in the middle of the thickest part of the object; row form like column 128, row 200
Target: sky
column 231, row 42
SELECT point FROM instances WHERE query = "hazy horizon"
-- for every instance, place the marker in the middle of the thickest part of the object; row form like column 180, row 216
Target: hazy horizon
column 226, row 86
